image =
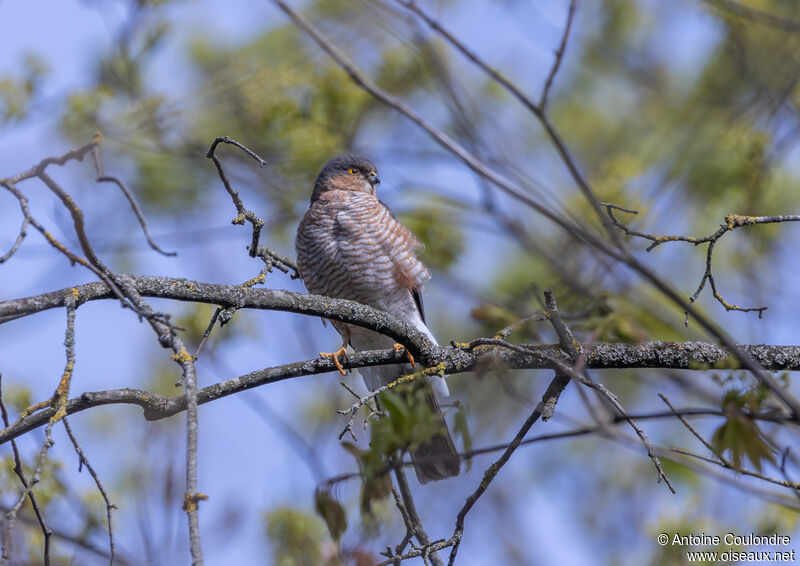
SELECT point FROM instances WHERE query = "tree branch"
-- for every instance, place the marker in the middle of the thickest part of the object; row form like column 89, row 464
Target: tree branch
column 732, row 221
column 454, row 360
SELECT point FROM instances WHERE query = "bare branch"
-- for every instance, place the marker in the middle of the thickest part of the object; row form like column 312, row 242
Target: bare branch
column 426, row 552
column 573, row 6
column 242, row 213
column 77, row 154
column 673, row 355
column 26, row 220
column 553, row 391
column 136, row 210
column 236, row 296
column 732, row 221
column 84, row 461
column 18, row 470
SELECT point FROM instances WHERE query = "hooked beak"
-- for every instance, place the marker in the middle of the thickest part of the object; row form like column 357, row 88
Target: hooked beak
column 374, row 179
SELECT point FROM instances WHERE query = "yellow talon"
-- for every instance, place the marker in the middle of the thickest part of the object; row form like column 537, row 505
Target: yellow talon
column 335, row 355
column 398, row 347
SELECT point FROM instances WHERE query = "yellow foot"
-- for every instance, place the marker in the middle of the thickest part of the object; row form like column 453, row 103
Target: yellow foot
column 398, row 347
column 335, row 355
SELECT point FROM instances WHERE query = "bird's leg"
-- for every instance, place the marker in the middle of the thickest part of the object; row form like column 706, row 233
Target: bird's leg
column 398, row 347
column 340, row 352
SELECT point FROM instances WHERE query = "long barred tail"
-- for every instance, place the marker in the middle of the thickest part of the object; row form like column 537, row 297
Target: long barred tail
column 437, row 459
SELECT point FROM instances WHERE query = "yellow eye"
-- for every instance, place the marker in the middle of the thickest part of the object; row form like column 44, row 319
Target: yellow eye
column 353, row 171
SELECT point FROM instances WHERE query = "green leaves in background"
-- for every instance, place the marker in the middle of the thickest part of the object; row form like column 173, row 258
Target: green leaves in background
column 331, row 511
column 18, row 91
column 740, row 435
column 443, row 238
column 376, row 482
column 297, row 538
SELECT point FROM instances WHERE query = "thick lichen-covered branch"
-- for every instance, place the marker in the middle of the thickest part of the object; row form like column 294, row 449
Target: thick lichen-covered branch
column 454, row 360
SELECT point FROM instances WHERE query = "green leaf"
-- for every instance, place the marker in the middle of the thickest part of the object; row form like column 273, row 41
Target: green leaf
column 331, row 512
column 376, row 487
column 740, row 435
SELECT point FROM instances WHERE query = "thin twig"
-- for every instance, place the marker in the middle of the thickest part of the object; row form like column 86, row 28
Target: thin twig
column 242, row 213
column 83, row 461
column 572, row 347
column 721, row 460
column 20, row 472
column 398, row 501
column 615, row 420
column 573, row 6
column 614, row 401
column 553, row 391
column 691, row 429
column 11, row 515
column 136, row 210
column 427, row 551
column 352, row 411
column 26, row 220
column 76, row 154
column 732, row 221
column 208, row 330
column 279, row 260
column 783, row 483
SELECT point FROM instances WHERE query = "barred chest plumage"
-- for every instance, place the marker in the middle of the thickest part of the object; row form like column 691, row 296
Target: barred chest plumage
column 350, row 246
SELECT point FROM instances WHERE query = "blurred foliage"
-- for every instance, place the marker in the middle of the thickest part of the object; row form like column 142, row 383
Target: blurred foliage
column 444, row 242
column 332, row 512
column 740, row 435
column 675, row 554
column 297, row 539
column 409, row 423
column 19, row 90
column 376, row 483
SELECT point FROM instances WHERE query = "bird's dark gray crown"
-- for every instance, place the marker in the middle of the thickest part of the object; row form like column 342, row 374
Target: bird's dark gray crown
column 340, row 166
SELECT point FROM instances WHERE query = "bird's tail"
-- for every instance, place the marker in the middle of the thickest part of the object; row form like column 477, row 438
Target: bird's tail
column 436, row 459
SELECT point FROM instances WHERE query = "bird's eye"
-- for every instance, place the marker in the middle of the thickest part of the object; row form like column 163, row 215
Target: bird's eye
column 354, row 171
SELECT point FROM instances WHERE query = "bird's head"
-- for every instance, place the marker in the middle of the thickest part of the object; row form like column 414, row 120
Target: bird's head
column 347, row 173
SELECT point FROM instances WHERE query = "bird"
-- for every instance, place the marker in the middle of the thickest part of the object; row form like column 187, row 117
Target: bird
column 350, row 245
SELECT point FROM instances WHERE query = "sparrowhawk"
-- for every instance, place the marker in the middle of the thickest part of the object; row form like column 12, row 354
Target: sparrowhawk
column 350, row 246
